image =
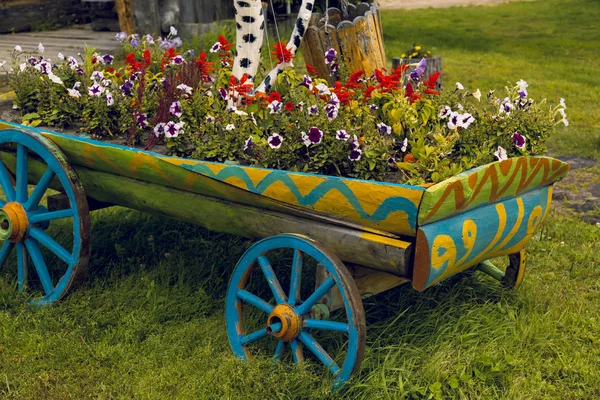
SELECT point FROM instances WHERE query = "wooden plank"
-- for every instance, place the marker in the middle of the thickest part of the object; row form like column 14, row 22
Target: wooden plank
column 125, row 13
column 488, row 184
column 356, row 246
column 446, row 247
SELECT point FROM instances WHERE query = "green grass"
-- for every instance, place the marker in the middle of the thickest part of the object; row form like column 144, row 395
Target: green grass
column 148, row 321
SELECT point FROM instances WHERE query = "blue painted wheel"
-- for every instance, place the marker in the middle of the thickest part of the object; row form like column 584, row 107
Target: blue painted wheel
column 291, row 321
column 34, row 160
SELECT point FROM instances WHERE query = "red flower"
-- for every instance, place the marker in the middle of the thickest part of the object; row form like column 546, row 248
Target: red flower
column 352, row 82
column 167, row 57
column 225, row 45
column 343, row 94
column 289, row 106
column 387, row 83
column 311, row 70
column 281, row 53
column 147, row 57
column 367, row 93
column 430, row 84
column 94, row 60
column 133, row 64
column 110, row 70
column 410, row 93
column 274, row 96
column 204, row 66
column 241, row 87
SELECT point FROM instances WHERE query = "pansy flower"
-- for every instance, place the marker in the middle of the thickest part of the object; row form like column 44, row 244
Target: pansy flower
column 384, row 129
column 330, row 56
column 110, row 100
column 313, row 110
column 95, row 90
column 342, row 135
column 501, row 154
column 355, row 154
column 275, row 141
column 315, row 135
column 445, row 112
column 142, row 120
column 404, row 145
column 185, row 89
column 249, row 143
column 519, row 140
column 159, row 129
column 420, row 70
column 175, row 109
column 373, row 107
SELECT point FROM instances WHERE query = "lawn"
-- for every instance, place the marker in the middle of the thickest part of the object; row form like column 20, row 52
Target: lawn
column 148, row 321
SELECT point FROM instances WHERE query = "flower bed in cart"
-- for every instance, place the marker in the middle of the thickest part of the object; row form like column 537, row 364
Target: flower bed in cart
column 190, row 105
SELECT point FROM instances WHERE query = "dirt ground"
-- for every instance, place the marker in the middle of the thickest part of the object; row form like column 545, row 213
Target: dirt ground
column 437, row 3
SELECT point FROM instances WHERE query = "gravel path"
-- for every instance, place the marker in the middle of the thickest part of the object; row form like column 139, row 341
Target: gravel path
column 437, row 3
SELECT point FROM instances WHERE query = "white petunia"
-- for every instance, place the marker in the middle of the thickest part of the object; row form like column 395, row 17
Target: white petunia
column 501, row 154
column 459, row 86
column 74, row 93
column 172, row 31
column 404, row 145
column 40, row 48
column 230, row 127
column 55, row 79
column 18, row 48
column 61, row 57
column 562, row 103
column 323, row 89
column 477, row 95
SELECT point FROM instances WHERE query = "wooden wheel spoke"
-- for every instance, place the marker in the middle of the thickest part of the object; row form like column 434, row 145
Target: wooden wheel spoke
column 272, row 280
column 295, row 278
column 21, row 174
column 309, row 341
column 318, row 294
column 310, row 323
column 254, row 301
column 40, row 265
column 40, row 189
column 35, row 218
column 297, row 354
column 43, row 238
column 254, row 336
column 21, row 267
column 278, row 350
column 6, row 183
column 5, row 250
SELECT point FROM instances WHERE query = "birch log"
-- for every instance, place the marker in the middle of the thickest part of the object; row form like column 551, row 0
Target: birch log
column 250, row 27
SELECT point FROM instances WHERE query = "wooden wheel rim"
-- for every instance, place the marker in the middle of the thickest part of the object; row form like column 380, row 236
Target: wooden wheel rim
column 236, row 296
column 57, row 169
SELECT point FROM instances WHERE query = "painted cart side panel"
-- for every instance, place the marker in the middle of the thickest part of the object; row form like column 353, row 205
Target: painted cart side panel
column 373, row 205
column 488, row 184
column 447, row 247
column 382, row 253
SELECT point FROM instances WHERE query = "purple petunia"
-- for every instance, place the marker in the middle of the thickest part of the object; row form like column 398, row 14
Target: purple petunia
column 121, row 36
column 79, row 71
column 373, row 107
column 210, row 119
column 315, row 135
column 330, row 56
column 313, row 110
column 519, row 140
column 383, row 128
column 506, row 106
column 175, row 109
column 73, row 63
column 176, row 42
column 173, row 129
column 307, row 82
column 445, row 112
column 159, row 129
column 177, row 60
column 95, row 90
column 110, row 100
column 342, row 135
column 223, row 94
column 164, row 44
column 354, row 143
column 391, row 161
column 355, row 154
column 215, row 47
column 333, row 69
column 249, row 143
column 275, row 141
column 135, row 42
column 420, row 70
column 142, row 120
column 107, row 59
column 275, row 107
column 501, row 154
column 97, row 75
column 465, row 120
column 332, row 111
column 126, row 88
column 148, row 39
column 454, row 120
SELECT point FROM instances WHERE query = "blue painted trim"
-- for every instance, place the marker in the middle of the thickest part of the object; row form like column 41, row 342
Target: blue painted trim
column 233, row 301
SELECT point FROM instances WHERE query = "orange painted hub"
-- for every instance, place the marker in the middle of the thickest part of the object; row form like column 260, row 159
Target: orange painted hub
column 291, row 323
column 13, row 222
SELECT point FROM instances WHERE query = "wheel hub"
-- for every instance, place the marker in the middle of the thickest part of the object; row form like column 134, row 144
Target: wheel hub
column 13, row 222
column 291, row 323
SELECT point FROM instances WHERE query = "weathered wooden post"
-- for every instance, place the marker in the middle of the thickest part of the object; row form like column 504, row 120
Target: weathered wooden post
column 355, row 33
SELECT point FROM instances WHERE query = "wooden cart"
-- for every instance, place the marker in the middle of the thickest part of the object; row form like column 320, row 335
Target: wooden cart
column 365, row 236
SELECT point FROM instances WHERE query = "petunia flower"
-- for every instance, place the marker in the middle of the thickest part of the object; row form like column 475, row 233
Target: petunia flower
column 210, row 119
column 383, row 128
column 148, row 39
column 330, row 56
column 18, row 48
column 420, row 70
column 313, row 110
column 323, row 89
column 391, row 161
column 215, row 47
column 177, row 60
column 465, row 120
column 127, row 87
column 173, row 129
column 79, row 71
column 342, row 135
column 185, row 89
column 74, row 93
column 142, row 120
column 97, row 75
column 176, row 42
column 519, row 140
column 223, row 94
column 275, row 141
column 23, row 66
column 459, row 86
column 135, row 42
column 95, row 90
column 477, row 95
column 315, row 135
column 164, row 44
column 289, row 106
column 249, row 143
column 110, row 100
column 332, row 111
column 562, row 103
column 40, row 48
column 159, row 129
column 55, row 79
column 373, row 107
column 354, row 143
column 61, row 56
column 454, row 120
column 445, row 112
column 73, row 62
column 107, row 59
column 175, row 109
column 274, row 107
column 501, row 154
column 121, row 36
column 172, row 31
column 404, row 145
column 355, row 154
column 506, row 106
column 230, row 127
column 305, row 138
column 307, row 82
column 333, row 68
column 522, row 88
